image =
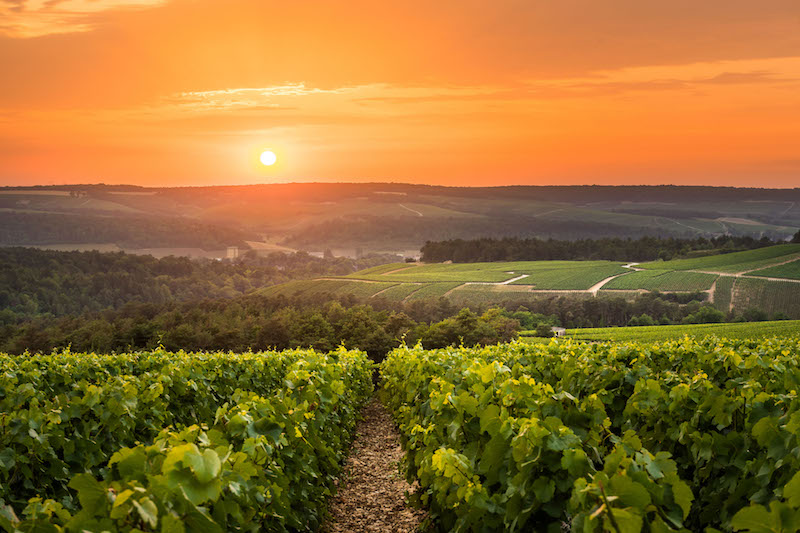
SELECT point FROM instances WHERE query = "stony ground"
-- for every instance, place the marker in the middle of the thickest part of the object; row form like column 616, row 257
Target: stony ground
column 371, row 496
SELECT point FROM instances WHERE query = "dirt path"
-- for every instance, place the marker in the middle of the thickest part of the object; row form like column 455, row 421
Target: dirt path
column 412, row 210
column 372, row 494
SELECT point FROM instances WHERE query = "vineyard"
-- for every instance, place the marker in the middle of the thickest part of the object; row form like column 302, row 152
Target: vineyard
column 741, row 330
column 767, row 295
column 527, row 283
column 655, row 280
column 723, row 291
column 733, row 262
column 786, row 270
column 672, row 436
column 571, row 277
column 175, row 441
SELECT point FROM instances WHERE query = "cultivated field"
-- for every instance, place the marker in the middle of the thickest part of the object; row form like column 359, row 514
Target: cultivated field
column 656, row 280
column 786, row 270
column 520, row 282
column 733, row 263
column 766, row 295
column 684, row 435
column 744, row 330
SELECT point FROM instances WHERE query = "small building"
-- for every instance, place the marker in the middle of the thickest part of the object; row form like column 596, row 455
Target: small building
column 558, row 332
column 233, row 252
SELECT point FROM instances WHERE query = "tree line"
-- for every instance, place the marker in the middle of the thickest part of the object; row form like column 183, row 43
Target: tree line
column 611, row 249
column 258, row 324
column 325, row 321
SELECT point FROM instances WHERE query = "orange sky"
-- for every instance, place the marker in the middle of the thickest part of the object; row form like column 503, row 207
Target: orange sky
column 467, row 92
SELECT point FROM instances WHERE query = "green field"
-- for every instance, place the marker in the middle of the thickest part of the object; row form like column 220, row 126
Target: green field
column 548, row 274
column 769, row 296
column 657, row 280
column 788, row 270
column 518, row 282
column 398, row 292
column 579, row 277
column 723, row 292
column 732, row 263
column 329, row 286
column 506, row 295
column 742, row 330
column 433, row 290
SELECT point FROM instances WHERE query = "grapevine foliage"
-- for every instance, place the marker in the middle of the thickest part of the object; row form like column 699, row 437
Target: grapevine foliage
column 682, row 435
column 176, row 442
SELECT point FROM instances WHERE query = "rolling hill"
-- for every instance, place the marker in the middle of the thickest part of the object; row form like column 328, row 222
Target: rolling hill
column 384, row 217
column 735, row 281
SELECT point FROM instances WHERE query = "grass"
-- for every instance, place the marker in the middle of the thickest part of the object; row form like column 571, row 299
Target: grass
column 656, row 280
column 731, row 263
column 741, row 330
column 788, row 270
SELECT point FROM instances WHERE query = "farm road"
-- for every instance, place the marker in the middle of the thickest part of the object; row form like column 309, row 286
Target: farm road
column 372, row 492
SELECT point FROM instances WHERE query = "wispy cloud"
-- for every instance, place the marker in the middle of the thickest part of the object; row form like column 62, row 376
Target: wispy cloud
column 35, row 18
column 247, row 97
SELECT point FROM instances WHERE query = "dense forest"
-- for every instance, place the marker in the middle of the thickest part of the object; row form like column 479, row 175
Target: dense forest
column 611, row 249
column 325, row 321
column 259, row 323
column 39, row 282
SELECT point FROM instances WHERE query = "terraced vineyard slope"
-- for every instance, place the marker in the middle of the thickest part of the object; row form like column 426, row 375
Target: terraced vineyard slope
column 721, row 277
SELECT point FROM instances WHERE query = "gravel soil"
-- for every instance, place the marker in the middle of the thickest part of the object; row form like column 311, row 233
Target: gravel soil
column 371, row 494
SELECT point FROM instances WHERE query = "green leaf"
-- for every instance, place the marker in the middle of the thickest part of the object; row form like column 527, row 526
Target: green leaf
column 493, row 454
column 683, row 496
column 628, row 520
column 172, row 524
column 7, row 459
column 130, row 463
column 147, row 511
column 490, row 419
column 544, row 488
column 206, row 466
column 630, row 493
column 92, row 495
column 791, row 492
column 754, row 518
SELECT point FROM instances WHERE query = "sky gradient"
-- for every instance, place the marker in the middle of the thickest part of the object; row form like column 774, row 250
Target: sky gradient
column 189, row 92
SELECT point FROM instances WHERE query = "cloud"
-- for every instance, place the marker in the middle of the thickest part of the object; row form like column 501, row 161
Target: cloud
column 36, row 18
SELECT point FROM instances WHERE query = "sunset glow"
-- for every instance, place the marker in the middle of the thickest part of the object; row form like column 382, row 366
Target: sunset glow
column 183, row 92
column 268, row 158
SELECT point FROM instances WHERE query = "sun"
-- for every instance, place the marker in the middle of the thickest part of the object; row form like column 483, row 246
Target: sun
column 268, row 158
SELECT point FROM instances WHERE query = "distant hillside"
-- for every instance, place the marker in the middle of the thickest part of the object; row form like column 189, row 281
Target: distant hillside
column 399, row 217
column 765, row 281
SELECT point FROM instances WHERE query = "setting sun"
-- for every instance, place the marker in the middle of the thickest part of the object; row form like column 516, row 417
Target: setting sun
column 268, row 158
